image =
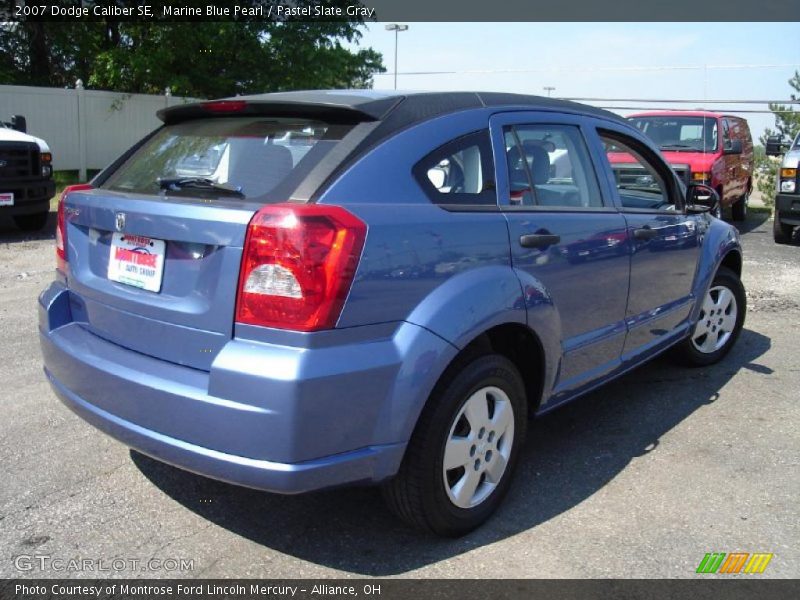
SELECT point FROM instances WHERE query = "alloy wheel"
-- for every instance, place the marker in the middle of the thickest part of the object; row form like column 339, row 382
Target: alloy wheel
column 717, row 320
column 478, row 447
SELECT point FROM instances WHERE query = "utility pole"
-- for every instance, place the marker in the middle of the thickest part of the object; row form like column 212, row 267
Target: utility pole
column 397, row 28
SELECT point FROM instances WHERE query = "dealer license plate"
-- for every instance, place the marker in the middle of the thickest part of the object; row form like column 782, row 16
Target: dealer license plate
column 137, row 260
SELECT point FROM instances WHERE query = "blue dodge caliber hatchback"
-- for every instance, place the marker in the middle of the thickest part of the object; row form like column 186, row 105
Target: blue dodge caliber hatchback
column 301, row 290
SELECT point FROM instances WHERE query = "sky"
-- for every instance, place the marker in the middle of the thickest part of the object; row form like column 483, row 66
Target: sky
column 690, row 61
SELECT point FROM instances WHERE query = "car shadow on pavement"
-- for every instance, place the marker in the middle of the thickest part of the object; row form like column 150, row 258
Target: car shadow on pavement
column 10, row 233
column 569, row 456
column 753, row 221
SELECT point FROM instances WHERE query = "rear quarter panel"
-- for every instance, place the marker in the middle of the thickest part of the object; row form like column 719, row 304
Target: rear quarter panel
column 415, row 247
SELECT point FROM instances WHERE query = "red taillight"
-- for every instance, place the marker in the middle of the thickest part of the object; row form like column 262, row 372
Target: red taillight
column 298, row 263
column 61, row 226
column 224, row 106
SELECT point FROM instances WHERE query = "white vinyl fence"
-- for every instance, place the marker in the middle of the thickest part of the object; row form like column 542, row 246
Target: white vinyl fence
column 86, row 129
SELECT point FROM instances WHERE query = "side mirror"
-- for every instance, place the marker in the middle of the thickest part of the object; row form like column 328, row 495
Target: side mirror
column 775, row 145
column 735, row 147
column 701, row 198
column 18, row 122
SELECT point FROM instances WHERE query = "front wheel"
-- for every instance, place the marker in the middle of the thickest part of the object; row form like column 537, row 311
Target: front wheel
column 461, row 458
column 719, row 322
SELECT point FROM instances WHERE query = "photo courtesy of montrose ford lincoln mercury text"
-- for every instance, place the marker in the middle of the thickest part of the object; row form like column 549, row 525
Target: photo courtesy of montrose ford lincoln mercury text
column 303, row 290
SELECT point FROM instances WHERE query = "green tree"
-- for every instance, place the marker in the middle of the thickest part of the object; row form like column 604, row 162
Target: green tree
column 201, row 59
column 787, row 125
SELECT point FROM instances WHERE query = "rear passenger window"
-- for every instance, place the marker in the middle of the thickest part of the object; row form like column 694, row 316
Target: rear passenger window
column 461, row 172
column 548, row 166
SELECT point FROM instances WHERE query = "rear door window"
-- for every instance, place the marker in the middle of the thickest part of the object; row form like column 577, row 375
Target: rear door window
column 252, row 158
column 549, row 166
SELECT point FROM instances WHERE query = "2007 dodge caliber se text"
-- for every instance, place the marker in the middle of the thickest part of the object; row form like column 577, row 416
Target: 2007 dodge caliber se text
column 302, row 290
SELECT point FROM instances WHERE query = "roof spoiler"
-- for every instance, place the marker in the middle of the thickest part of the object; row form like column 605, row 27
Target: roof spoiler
column 332, row 113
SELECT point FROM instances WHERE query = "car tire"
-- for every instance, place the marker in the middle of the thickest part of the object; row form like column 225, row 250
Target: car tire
column 719, row 323
column 476, row 419
column 739, row 209
column 33, row 222
column 781, row 233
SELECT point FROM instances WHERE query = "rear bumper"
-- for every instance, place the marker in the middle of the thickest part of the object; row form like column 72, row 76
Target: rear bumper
column 787, row 206
column 29, row 196
column 264, row 417
column 362, row 465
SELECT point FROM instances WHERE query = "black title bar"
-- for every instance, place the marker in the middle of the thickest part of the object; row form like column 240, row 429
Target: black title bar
column 275, row 11
column 704, row 587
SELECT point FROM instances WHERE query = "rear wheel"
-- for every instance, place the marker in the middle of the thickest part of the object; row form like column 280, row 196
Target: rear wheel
column 739, row 209
column 781, row 233
column 461, row 458
column 719, row 322
column 32, row 222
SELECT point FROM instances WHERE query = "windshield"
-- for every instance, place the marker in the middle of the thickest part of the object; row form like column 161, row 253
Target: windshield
column 687, row 134
column 255, row 156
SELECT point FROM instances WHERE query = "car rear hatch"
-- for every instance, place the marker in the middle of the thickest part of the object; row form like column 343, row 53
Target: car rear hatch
column 154, row 250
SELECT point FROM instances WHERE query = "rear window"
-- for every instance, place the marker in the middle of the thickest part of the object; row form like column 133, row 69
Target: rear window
column 257, row 157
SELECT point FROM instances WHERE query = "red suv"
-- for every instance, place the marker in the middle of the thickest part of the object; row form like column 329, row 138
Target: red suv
column 702, row 147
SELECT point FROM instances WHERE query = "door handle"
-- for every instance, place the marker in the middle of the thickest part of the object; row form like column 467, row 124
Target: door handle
column 538, row 240
column 645, row 233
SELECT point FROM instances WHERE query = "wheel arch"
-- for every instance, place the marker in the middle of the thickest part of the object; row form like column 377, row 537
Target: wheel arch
column 514, row 341
column 720, row 249
column 733, row 261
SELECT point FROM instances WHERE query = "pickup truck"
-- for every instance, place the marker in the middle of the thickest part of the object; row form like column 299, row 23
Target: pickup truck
column 787, row 200
column 26, row 175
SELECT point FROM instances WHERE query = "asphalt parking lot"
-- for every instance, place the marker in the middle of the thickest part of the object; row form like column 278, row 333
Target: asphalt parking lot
column 639, row 479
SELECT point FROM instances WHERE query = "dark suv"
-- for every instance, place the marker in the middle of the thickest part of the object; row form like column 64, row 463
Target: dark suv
column 303, row 290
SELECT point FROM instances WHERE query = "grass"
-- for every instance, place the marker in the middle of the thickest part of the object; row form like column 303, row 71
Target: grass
column 760, row 210
column 64, row 179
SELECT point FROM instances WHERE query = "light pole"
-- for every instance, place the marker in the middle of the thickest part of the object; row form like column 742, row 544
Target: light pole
column 397, row 28
column 548, row 89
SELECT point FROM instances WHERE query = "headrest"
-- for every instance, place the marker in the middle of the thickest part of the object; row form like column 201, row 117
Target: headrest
column 539, row 160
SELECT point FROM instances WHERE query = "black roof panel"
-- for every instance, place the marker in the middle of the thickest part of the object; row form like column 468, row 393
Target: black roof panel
column 403, row 107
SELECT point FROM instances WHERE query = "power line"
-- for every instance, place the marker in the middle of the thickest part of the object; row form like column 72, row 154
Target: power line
column 596, row 69
column 672, row 109
column 683, row 101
